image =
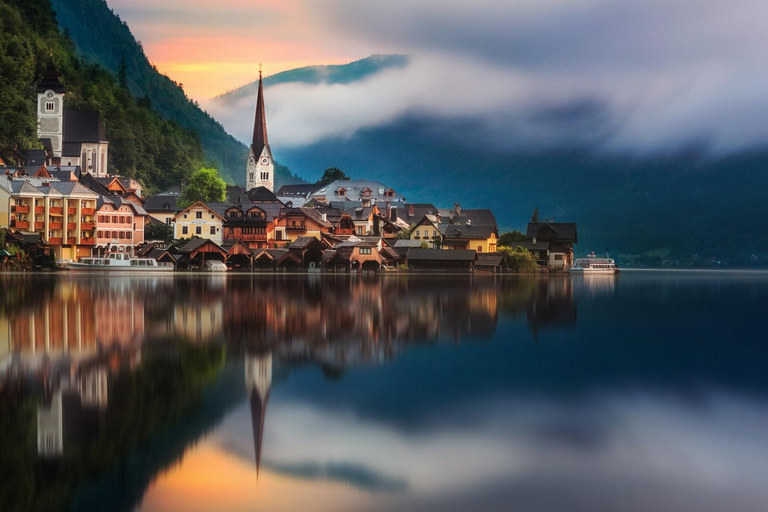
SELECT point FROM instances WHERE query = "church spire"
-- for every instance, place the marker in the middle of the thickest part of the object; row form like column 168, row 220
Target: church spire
column 260, row 138
column 260, row 169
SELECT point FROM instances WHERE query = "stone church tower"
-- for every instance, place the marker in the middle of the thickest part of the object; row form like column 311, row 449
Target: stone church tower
column 260, row 169
column 50, row 109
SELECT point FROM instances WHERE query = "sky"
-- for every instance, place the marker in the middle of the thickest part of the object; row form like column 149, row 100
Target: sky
column 625, row 75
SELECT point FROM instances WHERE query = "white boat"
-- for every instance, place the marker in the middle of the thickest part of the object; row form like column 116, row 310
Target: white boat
column 121, row 262
column 589, row 266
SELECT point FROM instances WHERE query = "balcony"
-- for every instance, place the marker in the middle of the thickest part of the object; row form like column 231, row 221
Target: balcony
column 19, row 208
column 39, row 209
column 71, row 226
column 86, row 226
column 87, row 211
column 20, row 224
column 256, row 237
column 71, row 211
column 54, row 241
column 54, row 225
column 298, row 227
column 87, row 241
column 39, row 225
column 72, row 240
column 56, row 210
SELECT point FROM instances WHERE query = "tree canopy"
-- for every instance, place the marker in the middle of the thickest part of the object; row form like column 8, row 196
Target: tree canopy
column 332, row 174
column 205, row 185
column 509, row 238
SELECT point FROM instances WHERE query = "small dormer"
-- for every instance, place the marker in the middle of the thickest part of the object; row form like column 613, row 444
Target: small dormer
column 256, row 213
column 366, row 192
column 234, row 213
column 341, row 191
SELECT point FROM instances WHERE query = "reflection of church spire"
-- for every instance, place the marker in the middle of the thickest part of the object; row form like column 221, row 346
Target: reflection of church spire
column 258, row 382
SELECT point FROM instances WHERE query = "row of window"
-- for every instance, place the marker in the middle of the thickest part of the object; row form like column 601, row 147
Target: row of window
column 198, row 230
column 115, row 234
column 426, row 232
column 116, row 219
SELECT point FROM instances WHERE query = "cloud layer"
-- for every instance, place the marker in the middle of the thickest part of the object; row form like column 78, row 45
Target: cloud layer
column 637, row 75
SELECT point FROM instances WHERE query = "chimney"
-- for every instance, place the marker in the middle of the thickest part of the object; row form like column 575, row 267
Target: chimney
column 410, row 210
column 324, row 216
column 393, row 214
column 469, row 222
column 534, row 240
column 457, row 208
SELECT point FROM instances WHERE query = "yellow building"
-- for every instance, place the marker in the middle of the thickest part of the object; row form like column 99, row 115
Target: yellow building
column 62, row 212
column 458, row 229
column 200, row 220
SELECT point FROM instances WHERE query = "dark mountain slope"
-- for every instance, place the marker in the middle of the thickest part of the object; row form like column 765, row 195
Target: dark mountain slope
column 102, row 37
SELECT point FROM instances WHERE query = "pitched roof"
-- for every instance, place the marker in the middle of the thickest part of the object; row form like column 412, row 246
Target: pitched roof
column 71, row 149
column 408, row 243
column 354, row 191
column 298, row 190
column 161, row 203
column 485, row 259
column 262, row 194
column 50, row 80
column 260, row 138
column 303, row 242
column 441, row 255
column 83, row 126
column 564, row 232
column 194, row 244
column 472, row 231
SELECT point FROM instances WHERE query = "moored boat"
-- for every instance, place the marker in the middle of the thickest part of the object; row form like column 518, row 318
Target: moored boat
column 588, row 266
column 119, row 261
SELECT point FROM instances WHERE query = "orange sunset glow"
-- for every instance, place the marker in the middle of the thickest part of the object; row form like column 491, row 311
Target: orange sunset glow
column 211, row 479
column 211, row 49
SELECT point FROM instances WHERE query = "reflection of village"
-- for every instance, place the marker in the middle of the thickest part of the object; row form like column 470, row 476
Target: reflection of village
column 65, row 338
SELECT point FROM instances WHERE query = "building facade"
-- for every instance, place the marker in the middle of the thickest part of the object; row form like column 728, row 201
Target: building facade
column 199, row 220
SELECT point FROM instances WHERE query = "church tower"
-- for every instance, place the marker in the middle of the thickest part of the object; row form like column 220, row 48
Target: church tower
column 260, row 169
column 50, row 109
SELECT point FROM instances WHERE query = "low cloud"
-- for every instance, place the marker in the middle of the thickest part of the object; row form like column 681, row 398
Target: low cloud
column 642, row 76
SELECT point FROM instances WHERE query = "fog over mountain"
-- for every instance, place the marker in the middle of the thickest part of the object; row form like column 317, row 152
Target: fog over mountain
column 643, row 76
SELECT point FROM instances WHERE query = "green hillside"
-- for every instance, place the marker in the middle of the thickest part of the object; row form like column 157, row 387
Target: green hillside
column 143, row 145
column 102, row 37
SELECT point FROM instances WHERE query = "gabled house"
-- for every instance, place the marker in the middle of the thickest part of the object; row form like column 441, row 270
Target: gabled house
column 200, row 220
column 560, row 235
column 309, row 250
column 294, row 223
column 427, row 230
column 359, row 257
column 119, row 225
column 248, row 223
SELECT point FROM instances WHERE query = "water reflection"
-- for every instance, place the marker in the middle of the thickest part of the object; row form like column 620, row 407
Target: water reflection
column 120, row 392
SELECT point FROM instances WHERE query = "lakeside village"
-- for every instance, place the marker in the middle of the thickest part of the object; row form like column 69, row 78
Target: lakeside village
column 61, row 204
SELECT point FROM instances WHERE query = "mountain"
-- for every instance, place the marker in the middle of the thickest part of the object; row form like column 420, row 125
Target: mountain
column 143, row 145
column 102, row 37
column 333, row 74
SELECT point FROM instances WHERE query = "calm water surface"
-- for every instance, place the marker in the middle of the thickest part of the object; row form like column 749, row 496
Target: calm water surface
column 646, row 392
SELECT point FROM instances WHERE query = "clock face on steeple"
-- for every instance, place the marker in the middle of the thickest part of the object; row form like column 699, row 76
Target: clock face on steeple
column 250, row 160
column 264, row 161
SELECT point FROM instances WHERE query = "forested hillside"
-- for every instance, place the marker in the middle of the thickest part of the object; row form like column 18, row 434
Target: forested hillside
column 142, row 145
column 102, row 37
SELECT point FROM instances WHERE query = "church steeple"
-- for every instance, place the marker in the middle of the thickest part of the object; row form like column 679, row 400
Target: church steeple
column 260, row 138
column 260, row 169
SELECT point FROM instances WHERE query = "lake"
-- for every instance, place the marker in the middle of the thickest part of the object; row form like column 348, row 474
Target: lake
column 369, row 393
